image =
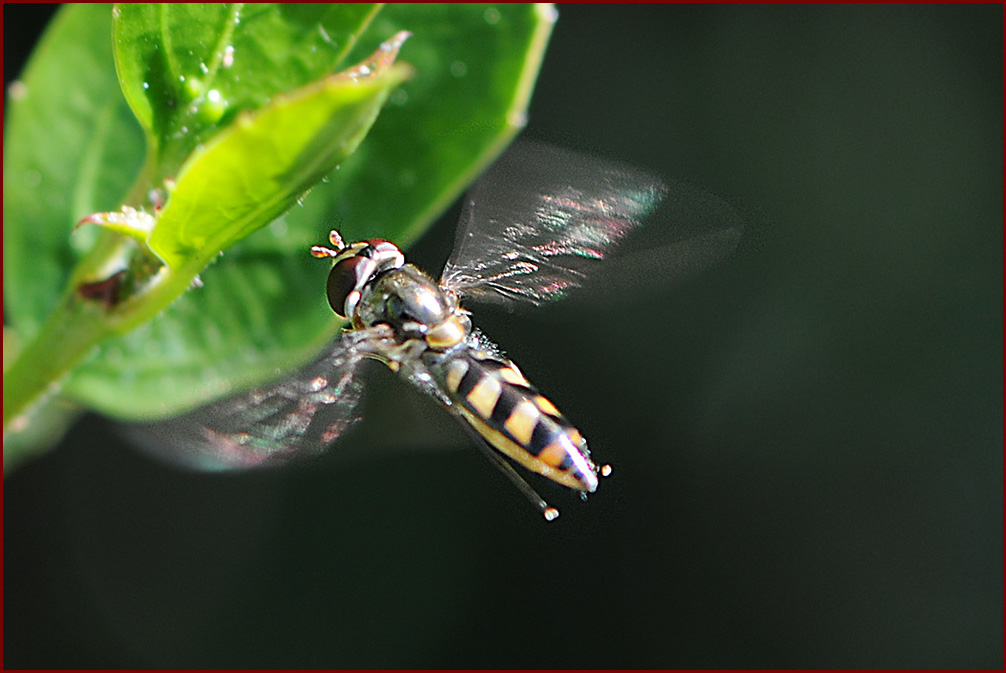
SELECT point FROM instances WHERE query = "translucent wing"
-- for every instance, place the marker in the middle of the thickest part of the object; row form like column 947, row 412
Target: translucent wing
column 294, row 417
column 540, row 219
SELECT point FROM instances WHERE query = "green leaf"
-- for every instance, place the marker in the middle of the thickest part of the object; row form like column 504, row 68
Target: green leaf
column 188, row 68
column 476, row 67
column 253, row 171
column 71, row 148
column 261, row 309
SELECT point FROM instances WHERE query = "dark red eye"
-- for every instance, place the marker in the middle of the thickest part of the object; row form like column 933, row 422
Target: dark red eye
column 343, row 279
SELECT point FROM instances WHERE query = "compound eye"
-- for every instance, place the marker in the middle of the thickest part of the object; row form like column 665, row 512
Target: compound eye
column 343, row 282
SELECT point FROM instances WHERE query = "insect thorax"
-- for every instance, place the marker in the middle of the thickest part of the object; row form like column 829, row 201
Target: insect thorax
column 414, row 306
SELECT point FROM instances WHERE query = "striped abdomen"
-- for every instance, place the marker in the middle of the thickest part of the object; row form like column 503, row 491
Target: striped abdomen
column 499, row 403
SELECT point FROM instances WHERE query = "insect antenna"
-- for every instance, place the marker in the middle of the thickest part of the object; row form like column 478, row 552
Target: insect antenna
column 338, row 245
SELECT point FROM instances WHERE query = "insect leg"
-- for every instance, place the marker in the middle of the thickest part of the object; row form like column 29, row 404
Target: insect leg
column 550, row 513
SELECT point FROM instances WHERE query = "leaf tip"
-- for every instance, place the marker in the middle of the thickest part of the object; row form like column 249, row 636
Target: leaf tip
column 134, row 223
column 380, row 61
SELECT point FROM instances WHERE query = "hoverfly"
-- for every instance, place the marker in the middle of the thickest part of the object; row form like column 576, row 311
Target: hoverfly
column 532, row 230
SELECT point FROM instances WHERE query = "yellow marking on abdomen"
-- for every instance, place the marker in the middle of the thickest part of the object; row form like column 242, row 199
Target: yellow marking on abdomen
column 484, row 395
column 513, row 375
column 521, row 421
column 545, row 405
column 503, row 444
column 553, row 454
column 456, row 371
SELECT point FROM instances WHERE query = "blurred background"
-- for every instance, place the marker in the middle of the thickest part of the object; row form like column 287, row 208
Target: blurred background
column 807, row 437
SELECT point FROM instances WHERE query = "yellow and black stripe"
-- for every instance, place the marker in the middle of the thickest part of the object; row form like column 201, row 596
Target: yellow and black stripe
column 497, row 400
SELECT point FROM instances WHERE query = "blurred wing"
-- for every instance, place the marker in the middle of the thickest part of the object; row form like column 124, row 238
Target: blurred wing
column 294, row 417
column 540, row 219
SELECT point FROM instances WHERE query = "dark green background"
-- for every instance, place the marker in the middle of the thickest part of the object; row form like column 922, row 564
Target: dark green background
column 807, row 437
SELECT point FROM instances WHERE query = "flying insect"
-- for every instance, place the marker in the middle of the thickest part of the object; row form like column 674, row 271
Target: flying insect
column 536, row 227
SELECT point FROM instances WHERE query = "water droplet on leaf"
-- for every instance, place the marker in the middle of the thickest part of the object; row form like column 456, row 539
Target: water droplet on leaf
column 399, row 97
column 193, row 87
column 212, row 108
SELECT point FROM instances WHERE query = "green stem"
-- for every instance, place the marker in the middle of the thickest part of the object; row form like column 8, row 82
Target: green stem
column 65, row 340
column 75, row 328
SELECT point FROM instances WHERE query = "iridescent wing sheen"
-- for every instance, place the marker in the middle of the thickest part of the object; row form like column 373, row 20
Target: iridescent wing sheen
column 295, row 417
column 537, row 223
